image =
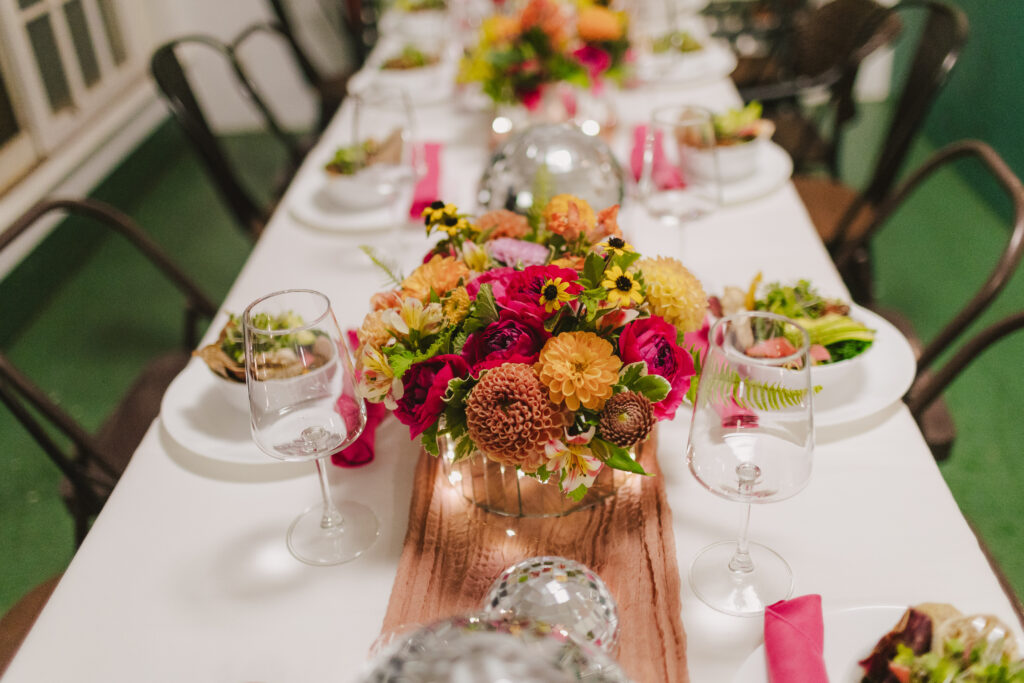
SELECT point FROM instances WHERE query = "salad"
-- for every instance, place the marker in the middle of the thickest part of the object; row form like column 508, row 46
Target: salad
column 738, row 126
column 676, row 41
column 935, row 643
column 421, row 5
column 410, row 57
column 226, row 356
column 835, row 336
column 351, row 159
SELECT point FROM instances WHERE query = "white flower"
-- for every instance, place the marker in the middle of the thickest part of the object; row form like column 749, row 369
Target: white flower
column 577, row 464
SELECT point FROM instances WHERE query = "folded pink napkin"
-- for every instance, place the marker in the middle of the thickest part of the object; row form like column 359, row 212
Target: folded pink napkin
column 428, row 189
column 360, row 452
column 665, row 175
column 794, row 638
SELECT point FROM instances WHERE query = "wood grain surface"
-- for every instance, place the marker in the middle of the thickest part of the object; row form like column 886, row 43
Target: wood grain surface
column 454, row 551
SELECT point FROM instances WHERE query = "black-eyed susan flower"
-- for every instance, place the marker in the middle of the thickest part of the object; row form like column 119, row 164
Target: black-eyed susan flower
column 617, row 246
column 621, row 288
column 554, row 294
column 438, row 214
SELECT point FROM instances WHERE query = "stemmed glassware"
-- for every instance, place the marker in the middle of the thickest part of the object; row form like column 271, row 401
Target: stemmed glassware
column 680, row 179
column 751, row 441
column 385, row 114
column 304, row 406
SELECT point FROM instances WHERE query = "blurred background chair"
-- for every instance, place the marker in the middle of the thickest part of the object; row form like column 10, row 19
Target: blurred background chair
column 854, row 264
column 92, row 462
column 840, row 212
column 169, row 70
column 331, row 40
column 818, row 57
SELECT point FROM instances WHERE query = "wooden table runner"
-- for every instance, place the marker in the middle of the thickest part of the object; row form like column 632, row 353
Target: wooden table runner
column 454, row 551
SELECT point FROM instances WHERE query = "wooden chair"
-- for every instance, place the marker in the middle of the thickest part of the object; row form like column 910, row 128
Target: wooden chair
column 170, row 73
column 354, row 27
column 822, row 52
column 854, row 265
column 92, row 464
column 838, row 211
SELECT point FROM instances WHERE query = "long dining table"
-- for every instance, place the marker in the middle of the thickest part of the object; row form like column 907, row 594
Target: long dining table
column 185, row 575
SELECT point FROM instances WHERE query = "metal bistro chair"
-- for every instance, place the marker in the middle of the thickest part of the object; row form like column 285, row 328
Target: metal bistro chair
column 932, row 415
column 821, row 53
column 172, row 77
column 92, row 464
column 926, row 392
column 354, row 26
column 838, row 211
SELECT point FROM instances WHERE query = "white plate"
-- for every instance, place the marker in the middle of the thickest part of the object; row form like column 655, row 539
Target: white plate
column 309, row 204
column 714, row 62
column 197, row 416
column 774, row 167
column 874, row 385
column 850, row 635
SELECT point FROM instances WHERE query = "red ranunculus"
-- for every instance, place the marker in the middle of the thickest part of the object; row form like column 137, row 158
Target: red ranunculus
column 511, row 339
column 425, row 383
column 497, row 277
column 653, row 340
column 523, row 289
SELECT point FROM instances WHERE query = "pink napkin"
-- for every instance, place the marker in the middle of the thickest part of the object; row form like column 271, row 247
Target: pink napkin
column 360, row 451
column 665, row 175
column 428, row 188
column 794, row 639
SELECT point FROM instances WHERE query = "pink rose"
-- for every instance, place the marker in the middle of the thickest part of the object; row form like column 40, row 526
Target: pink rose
column 653, row 341
column 425, row 383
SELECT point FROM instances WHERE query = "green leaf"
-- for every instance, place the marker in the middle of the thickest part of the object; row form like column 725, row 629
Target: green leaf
column 429, row 440
column 464, row 448
column 593, row 271
column 395, row 278
column 486, row 308
column 616, row 457
column 629, row 375
column 625, row 260
column 578, row 493
column 654, row 387
column 542, row 473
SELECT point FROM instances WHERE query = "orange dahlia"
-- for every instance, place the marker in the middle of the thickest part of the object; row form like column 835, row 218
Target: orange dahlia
column 598, row 24
column 548, row 17
column 440, row 273
column 579, row 369
column 503, row 223
column 569, row 216
column 510, row 418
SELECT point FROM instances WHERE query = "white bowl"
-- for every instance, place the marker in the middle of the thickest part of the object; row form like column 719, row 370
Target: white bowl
column 832, row 376
column 370, row 188
column 235, row 394
column 735, row 162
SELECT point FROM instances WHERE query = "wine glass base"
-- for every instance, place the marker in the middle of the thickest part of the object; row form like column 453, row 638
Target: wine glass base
column 312, row 544
column 741, row 594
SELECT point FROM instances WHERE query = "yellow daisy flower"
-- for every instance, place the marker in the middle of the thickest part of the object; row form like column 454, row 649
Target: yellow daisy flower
column 439, row 214
column 617, row 246
column 622, row 290
column 579, row 369
column 554, row 293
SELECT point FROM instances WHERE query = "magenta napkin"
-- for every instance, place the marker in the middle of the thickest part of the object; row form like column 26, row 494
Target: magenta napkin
column 794, row 638
column 665, row 175
column 360, row 452
column 428, row 189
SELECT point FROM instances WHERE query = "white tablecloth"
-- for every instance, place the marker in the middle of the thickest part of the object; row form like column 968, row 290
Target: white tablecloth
column 185, row 575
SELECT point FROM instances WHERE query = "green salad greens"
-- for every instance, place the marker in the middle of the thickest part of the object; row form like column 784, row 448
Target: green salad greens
column 411, row 57
column 680, row 41
column 738, row 125
column 350, row 160
column 233, row 341
column 421, row 5
column 957, row 665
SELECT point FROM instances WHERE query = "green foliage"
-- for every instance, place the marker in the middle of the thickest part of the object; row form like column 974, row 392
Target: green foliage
column 724, row 385
column 395, row 278
column 614, row 456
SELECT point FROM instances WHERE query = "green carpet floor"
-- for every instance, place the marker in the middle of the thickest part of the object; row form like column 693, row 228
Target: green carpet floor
column 941, row 245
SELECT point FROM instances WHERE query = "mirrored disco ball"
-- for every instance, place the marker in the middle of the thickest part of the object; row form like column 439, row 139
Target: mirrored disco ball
column 558, row 591
column 480, row 649
column 553, row 159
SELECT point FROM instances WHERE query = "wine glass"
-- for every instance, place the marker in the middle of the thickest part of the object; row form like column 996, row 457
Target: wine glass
column 751, row 440
column 304, row 406
column 384, row 114
column 680, row 179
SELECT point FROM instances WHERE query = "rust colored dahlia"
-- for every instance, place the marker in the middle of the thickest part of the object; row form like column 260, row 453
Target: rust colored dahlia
column 626, row 419
column 673, row 292
column 510, row 417
column 503, row 223
column 579, row 369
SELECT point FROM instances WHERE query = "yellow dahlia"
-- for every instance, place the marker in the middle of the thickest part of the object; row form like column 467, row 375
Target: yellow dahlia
column 674, row 293
column 621, row 289
column 456, row 306
column 440, row 273
column 579, row 369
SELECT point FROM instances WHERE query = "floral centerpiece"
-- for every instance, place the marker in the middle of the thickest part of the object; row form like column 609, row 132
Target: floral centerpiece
column 518, row 57
column 547, row 344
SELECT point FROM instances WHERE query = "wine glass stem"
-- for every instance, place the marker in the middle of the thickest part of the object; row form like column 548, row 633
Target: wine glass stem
column 741, row 562
column 332, row 518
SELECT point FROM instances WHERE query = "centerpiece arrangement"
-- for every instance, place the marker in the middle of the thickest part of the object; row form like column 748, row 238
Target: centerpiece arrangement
column 546, row 344
column 518, row 58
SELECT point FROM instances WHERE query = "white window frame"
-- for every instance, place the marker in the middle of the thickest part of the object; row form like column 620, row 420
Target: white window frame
column 50, row 129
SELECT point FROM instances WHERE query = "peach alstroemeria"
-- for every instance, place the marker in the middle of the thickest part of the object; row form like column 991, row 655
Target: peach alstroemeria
column 576, row 464
column 413, row 318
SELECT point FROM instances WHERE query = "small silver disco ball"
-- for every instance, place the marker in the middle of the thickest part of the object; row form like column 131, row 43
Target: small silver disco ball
column 551, row 159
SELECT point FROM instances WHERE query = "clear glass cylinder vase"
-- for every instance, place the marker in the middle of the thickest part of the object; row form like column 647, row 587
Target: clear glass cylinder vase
column 506, row 491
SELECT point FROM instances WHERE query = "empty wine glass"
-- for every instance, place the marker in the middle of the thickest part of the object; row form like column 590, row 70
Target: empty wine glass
column 680, row 180
column 751, row 440
column 304, row 406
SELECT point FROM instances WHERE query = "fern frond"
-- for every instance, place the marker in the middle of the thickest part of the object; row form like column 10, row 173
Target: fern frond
column 728, row 386
column 377, row 260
